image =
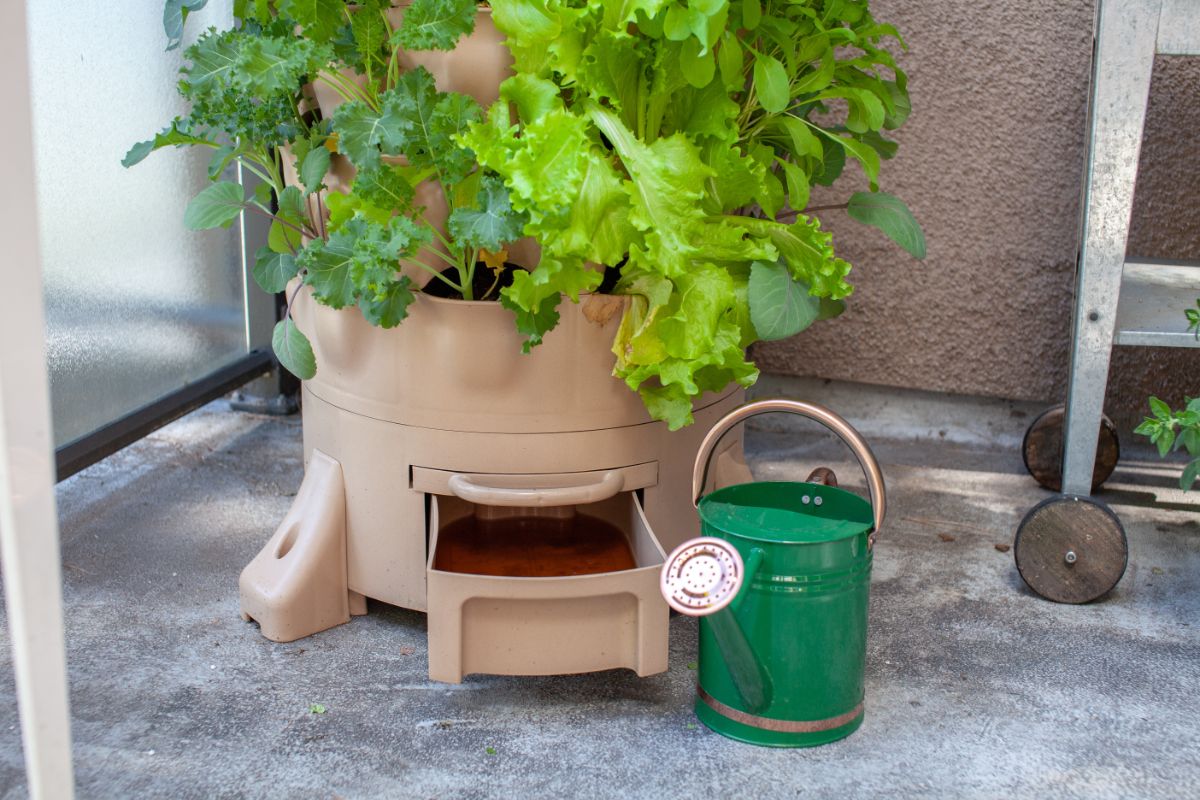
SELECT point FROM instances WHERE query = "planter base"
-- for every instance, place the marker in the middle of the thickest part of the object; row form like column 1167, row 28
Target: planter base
column 365, row 525
column 296, row 586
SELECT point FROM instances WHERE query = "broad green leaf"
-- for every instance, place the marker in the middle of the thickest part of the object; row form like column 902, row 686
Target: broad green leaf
column 284, row 235
column 779, row 306
column 730, row 59
column 901, row 106
column 805, row 143
column 808, row 252
column 889, row 214
column 697, row 63
column 534, row 97
column 832, row 163
column 1190, row 472
column 435, row 24
column 313, row 169
column 216, row 206
column 272, row 271
column 293, row 350
column 1160, row 409
column 319, row 18
column 751, row 14
column 174, row 15
column 681, row 22
column 797, row 183
column 771, row 83
column 819, row 78
column 492, row 223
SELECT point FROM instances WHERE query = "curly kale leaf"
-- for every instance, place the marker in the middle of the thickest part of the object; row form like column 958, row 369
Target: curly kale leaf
column 492, row 222
column 435, row 24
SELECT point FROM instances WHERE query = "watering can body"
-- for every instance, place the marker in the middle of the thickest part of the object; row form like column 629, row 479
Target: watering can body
column 782, row 662
column 803, row 610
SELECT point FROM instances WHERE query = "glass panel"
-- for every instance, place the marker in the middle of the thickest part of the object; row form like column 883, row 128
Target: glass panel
column 137, row 306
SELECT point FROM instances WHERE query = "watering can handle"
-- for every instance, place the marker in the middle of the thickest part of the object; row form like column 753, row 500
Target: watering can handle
column 822, row 415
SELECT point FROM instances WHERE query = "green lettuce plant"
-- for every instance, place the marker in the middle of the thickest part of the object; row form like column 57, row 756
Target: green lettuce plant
column 679, row 141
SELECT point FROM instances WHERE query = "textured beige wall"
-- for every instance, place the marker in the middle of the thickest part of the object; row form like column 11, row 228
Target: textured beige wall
column 991, row 163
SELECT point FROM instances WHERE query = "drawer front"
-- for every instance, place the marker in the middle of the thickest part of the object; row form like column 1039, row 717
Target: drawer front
column 507, row 625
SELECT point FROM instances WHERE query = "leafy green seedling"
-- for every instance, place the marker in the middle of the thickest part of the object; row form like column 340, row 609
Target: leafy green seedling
column 491, row 751
column 316, row 708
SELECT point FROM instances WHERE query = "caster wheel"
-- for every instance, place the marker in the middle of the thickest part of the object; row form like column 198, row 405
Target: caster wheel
column 1043, row 450
column 1071, row 549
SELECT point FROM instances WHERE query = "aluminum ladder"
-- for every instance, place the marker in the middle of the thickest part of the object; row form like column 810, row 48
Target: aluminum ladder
column 1071, row 548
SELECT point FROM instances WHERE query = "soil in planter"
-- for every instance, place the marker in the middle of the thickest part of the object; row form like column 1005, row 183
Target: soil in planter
column 532, row 547
column 481, row 281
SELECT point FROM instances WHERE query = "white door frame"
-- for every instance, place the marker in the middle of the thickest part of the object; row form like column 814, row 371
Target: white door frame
column 29, row 547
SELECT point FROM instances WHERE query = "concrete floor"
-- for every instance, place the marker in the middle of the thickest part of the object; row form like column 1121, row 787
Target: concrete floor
column 975, row 687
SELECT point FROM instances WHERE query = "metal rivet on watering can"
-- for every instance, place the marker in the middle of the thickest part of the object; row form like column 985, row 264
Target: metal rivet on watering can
column 780, row 579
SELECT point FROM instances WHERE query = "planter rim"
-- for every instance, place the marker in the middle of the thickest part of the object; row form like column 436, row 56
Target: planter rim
column 422, row 297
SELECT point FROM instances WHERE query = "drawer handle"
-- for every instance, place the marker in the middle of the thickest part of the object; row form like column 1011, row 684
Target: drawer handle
column 471, row 489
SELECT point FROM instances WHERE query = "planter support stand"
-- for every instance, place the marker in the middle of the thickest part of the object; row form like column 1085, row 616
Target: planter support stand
column 297, row 585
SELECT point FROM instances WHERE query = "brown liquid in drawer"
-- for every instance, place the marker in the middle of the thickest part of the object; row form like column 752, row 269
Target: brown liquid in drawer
column 532, row 547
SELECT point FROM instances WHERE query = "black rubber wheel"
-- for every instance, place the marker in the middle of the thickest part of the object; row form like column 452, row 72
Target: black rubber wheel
column 1042, row 449
column 1071, row 549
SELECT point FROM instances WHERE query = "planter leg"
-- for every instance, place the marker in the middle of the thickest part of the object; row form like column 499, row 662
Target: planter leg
column 296, row 586
column 358, row 604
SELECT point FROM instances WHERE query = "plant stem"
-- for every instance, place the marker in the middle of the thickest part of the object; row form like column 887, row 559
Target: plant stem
column 793, row 213
column 303, row 231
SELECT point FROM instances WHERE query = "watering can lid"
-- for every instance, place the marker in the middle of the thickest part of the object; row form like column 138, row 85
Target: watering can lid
column 786, row 511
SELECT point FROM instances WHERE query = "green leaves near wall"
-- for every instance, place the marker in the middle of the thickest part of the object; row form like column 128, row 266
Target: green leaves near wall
column 215, row 207
column 889, row 213
column 293, row 350
column 779, row 306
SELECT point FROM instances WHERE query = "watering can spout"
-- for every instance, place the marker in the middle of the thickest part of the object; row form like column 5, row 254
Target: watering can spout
column 702, row 577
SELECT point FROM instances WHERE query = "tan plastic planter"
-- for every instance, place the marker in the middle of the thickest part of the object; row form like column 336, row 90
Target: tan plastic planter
column 408, row 429
column 476, row 66
column 443, row 405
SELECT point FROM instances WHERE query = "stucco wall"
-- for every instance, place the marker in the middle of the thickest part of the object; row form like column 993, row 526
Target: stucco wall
column 991, row 163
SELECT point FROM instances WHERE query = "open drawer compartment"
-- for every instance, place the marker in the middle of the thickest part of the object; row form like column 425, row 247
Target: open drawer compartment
column 531, row 616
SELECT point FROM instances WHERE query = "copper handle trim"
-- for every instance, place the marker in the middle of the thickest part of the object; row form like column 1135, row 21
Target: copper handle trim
column 830, row 420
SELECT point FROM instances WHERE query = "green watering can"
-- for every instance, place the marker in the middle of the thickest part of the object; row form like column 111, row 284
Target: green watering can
column 780, row 579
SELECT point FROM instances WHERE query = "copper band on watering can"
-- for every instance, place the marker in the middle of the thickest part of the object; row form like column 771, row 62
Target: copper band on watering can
column 778, row 725
column 830, row 420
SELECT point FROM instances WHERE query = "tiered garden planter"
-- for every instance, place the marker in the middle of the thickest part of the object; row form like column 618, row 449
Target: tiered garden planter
column 408, row 429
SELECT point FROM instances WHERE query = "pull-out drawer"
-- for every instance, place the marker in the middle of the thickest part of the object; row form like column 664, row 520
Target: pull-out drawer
column 502, row 599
